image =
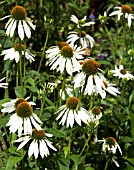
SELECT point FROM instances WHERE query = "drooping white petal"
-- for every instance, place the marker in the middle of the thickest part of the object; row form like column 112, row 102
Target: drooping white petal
column 36, row 125
column 70, row 118
column 25, row 141
column 30, row 23
column 26, row 29
column 13, row 29
column 36, row 118
column 31, row 148
column 20, row 30
column 77, row 118
column 9, row 27
column 50, row 145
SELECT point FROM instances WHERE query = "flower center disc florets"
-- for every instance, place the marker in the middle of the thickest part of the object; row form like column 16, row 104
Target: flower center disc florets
column 62, row 44
column 67, row 52
column 19, row 47
column 19, row 100
column 123, row 71
column 90, row 67
column 110, row 141
column 96, row 111
column 38, row 134
column 72, row 103
column 126, row 9
column 81, row 34
column 24, row 110
column 18, row 13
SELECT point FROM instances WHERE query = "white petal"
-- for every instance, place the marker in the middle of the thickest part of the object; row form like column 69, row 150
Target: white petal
column 42, row 148
column 13, row 28
column 26, row 29
column 50, row 145
column 20, row 30
column 45, row 148
column 9, row 27
column 36, row 149
column 77, row 118
column 24, row 142
column 36, row 118
column 70, row 118
column 37, row 126
column 30, row 23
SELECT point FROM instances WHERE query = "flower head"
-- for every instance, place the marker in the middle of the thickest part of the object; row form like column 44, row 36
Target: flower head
column 3, row 85
column 126, row 11
column 85, row 39
column 110, row 145
column 13, row 53
column 23, row 119
column 39, row 144
column 122, row 73
column 82, row 22
column 19, row 19
column 72, row 111
column 94, row 116
column 89, row 79
column 66, row 54
column 12, row 105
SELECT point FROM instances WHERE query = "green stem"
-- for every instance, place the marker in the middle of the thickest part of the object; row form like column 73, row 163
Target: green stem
column 17, row 75
column 8, row 138
column 69, row 144
column 43, row 52
column 63, row 86
column 63, row 141
column 86, row 143
column 20, row 62
column 110, row 37
column 42, row 106
column 106, row 165
column 124, row 42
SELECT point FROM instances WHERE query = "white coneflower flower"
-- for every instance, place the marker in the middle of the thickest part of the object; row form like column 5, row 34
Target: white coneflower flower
column 108, row 87
column 94, row 116
column 126, row 11
column 122, row 73
column 110, row 145
column 89, row 79
column 23, row 119
column 39, row 144
column 63, row 56
column 82, row 22
column 19, row 20
column 3, row 85
column 13, row 53
column 11, row 106
column 85, row 39
column 71, row 112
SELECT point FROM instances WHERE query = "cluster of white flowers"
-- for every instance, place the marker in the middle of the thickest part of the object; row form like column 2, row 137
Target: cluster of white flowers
column 65, row 57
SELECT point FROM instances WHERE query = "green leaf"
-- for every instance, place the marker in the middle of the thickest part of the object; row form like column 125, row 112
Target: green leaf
column 89, row 168
column 132, row 125
column 75, row 158
column 20, row 91
column 127, row 139
column 4, row 101
column 29, row 81
column 55, row 132
column 12, row 160
column 63, row 163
